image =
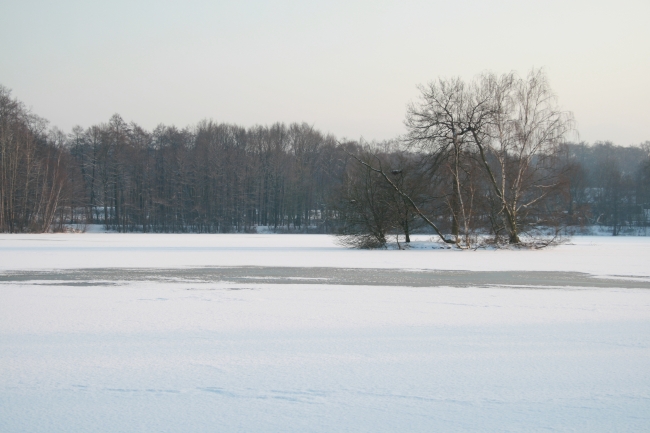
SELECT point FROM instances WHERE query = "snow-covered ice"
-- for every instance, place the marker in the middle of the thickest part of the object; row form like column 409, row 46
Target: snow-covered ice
column 194, row 355
column 594, row 255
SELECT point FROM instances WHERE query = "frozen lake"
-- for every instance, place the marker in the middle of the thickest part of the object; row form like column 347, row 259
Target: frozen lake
column 274, row 333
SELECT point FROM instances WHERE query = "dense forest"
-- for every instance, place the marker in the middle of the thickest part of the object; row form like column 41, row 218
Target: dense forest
column 445, row 176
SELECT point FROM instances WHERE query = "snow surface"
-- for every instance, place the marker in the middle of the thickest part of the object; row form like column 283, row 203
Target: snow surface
column 594, row 255
column 197, row 356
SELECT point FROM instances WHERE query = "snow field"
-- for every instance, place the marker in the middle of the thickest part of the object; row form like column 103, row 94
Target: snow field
column 189, row 356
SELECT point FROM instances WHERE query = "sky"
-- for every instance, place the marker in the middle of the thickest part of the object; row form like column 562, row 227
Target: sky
column 349, row 68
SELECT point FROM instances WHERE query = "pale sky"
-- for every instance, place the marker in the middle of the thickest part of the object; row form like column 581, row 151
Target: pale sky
column 347, row 67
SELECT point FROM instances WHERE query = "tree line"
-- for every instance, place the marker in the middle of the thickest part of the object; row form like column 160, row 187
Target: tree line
column 488, row 156
column 609, row 186
column 212, row 178
column 209, row 178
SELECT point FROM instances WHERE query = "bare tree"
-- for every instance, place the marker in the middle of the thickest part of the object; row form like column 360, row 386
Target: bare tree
column 442, row 124
column 32, row 169
column 373, row 165
column 364, row 207
column 520, row 147
column 511, row 126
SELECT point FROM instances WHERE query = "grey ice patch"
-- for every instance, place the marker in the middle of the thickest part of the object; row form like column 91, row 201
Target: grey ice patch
column 335, row 276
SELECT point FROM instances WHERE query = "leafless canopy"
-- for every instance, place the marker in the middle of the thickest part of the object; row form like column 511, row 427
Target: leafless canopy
column 501, row 131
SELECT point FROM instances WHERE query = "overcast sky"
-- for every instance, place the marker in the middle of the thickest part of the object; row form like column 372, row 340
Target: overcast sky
column 346, row 67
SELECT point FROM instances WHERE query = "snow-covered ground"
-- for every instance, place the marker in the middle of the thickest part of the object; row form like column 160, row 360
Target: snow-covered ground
column 194, row 355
